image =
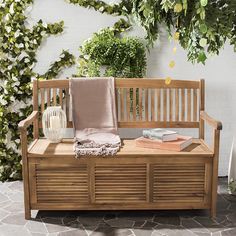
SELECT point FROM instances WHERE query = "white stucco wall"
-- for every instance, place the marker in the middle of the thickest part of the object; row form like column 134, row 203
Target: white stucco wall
column 219, row 72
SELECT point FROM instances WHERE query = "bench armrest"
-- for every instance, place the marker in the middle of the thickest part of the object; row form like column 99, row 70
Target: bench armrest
column 24, row 124
column 211, row 121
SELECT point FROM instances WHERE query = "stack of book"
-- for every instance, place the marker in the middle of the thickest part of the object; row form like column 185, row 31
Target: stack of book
column 163, row 139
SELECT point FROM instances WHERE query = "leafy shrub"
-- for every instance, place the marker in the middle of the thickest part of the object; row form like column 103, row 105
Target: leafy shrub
column 119, row 56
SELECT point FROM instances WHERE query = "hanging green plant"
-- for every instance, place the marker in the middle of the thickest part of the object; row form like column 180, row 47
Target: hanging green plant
column 18, row 47
column 115, row 55
column 203, row 26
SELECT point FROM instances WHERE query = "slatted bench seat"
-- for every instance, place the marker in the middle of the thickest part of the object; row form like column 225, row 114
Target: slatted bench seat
column 43, row 148
column 136, row 178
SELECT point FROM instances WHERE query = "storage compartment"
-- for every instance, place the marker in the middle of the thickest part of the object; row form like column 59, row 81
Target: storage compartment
column 120, row 183
column 59, row 184
column 160, row 182
column 180, row 183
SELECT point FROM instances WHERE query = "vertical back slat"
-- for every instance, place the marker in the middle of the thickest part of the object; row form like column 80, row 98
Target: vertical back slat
column 202, row 95
column 171, row 105
column 67, row 95
column 195, row 110
column 146, row 104
column 189, row 105
column 128, row 103
column 117, row 103
column 202, row 108
column 140, row 102
column 122, row 114
column 158, row 91
column 36, row 108
column 176, row 104
column 48, row 97
column 182, row 104
column 153, row 105
column 35, row 95
column 61, row 98
column 55, row 96
column 134, row 104
column 164, row 104
column 42, row 95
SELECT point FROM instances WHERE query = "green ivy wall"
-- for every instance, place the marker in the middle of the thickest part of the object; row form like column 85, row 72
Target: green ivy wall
column 79, row 24
column 19, row 44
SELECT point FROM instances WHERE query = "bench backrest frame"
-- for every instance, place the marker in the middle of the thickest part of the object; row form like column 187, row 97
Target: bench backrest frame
column 141, row 102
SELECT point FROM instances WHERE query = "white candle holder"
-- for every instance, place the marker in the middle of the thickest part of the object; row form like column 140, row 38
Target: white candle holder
column 54, row 123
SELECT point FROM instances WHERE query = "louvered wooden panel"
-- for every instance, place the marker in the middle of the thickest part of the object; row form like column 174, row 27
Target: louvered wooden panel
column 178, row 183
column 120, row 183
column 61, row 184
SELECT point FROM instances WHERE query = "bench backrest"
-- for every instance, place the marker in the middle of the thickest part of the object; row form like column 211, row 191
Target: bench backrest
column 140, row 102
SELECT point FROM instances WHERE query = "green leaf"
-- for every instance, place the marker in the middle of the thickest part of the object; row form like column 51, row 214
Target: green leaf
column 203, row 42
column 203, row 28
column 202, row 57
column 204, row 2
column 202, row 14
column 178, row 8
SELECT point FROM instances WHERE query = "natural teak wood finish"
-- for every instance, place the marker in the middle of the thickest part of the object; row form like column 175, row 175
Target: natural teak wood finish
column 137, row 178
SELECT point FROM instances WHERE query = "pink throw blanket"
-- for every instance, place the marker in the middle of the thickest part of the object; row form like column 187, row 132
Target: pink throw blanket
column 94, row 116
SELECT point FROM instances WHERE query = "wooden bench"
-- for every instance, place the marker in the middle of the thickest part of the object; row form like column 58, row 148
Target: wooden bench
column 137, row 178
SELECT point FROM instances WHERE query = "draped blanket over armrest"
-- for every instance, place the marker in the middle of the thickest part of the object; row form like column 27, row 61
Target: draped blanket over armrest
column 94, row 116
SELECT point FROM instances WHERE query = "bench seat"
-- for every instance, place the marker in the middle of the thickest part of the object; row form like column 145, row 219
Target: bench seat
column 136, row 178
column 43, row 148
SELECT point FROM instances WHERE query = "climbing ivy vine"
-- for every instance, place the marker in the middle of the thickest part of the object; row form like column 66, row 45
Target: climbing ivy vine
column 124, row 7
column 18, row 47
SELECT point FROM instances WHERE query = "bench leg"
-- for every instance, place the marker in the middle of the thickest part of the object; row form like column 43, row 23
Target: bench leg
column 26, row 194
column 27, row 202
column 213, row 211
column 216, row 144
column 27, row 214
column 214, row 194
column 25, row 174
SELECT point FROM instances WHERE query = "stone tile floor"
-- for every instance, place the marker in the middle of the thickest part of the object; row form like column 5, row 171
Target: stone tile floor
column 114, row 223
